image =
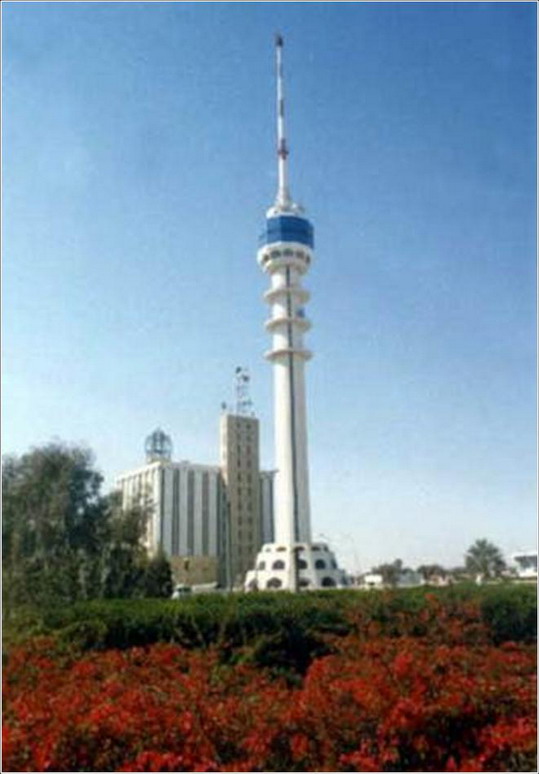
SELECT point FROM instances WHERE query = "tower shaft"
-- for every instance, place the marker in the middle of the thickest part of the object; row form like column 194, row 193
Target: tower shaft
column 288, row 356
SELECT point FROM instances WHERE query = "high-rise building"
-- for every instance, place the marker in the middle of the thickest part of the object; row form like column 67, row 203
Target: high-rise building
column 286, row 254
column 241, row 474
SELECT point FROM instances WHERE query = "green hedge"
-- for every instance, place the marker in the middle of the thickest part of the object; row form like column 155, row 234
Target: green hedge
column 509, row 611
column 277, row 630
column 281, row 630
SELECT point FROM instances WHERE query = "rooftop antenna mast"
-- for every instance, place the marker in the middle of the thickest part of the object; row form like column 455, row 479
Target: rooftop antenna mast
column 283, row 199
column 244, row 404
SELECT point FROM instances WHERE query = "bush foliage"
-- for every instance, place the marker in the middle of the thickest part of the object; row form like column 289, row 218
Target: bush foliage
column 103, row 672
column 63, row 540
column 428, row 691
column 280, row 621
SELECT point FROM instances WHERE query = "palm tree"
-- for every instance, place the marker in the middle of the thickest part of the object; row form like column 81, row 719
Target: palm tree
column 484, row 558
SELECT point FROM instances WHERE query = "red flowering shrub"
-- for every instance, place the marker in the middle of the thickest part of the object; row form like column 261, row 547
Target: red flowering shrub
column 450, row 701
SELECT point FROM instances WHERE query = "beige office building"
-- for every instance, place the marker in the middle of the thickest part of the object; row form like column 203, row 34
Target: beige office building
column 240, row 468
column 210, row 520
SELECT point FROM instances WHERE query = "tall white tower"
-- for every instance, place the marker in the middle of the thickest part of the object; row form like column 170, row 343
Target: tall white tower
column 285, row 254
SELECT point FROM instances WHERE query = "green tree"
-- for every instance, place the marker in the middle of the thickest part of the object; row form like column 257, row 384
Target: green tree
column 430, row 571
column 484, row 558
column 52, row 516
column 157, row 579
column 124, row 556
column 62, row 539
column 390, row 572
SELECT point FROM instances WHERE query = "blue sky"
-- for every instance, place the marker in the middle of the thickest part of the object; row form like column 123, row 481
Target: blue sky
column 139, row 161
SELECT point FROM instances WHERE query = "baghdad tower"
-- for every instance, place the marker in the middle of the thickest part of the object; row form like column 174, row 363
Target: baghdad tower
column 285, row 253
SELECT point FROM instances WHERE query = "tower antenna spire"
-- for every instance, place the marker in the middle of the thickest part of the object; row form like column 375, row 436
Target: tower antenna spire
column 283, row 199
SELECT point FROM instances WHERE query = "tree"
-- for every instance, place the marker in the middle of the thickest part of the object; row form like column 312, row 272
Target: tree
column 52, row 517
column 157, row 579
column 390, row 572
column 430, row 571
column 124, row 555
column 62, row 539
column 484, row 558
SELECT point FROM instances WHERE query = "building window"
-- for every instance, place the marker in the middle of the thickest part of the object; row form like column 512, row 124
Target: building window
column 302, row 564
column 274, row 583
column 320, row 564
column 327, row 582
column 261, row 566
column 278, row 565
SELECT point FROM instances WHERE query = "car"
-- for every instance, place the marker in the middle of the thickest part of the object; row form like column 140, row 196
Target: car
column 181, row 590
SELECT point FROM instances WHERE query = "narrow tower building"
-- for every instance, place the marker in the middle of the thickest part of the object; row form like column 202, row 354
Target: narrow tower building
column 286, row 251
column 241, row 474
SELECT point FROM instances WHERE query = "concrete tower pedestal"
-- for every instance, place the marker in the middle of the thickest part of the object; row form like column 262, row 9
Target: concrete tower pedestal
column 295, row 567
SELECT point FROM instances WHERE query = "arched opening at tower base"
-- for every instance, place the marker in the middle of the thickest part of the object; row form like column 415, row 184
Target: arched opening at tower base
column 296, row 567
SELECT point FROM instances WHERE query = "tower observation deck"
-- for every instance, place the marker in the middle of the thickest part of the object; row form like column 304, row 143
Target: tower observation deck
column 285, row 253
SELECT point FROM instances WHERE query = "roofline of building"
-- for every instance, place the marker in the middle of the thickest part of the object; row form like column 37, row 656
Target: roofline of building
column 182, row 465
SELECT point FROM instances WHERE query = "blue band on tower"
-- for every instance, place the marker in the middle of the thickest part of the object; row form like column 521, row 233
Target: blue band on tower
column 287, row 228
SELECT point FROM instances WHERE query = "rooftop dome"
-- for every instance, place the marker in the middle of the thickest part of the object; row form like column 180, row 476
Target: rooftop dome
column 158, row 446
